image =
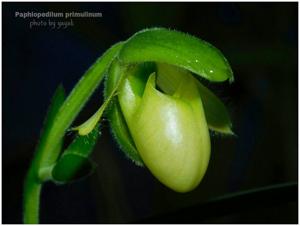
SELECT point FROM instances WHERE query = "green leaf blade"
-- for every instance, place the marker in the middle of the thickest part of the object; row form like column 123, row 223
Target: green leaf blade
column 32, row 185
column 56, row 102
column 58, row 98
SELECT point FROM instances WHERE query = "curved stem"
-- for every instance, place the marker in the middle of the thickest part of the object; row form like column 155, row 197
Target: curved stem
column 59, row 120
column 73, row 104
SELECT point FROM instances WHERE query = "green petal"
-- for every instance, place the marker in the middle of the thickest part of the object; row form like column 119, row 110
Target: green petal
column 122, row 135
column 171, row 134
column 177, row 48
column 216, row 114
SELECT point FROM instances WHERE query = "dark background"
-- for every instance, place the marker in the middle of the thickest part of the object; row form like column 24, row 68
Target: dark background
column 260, row 40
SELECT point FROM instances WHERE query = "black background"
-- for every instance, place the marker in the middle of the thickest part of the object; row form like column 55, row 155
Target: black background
column 260, row 40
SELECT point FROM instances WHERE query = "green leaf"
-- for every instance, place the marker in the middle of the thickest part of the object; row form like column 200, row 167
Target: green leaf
column 216, row 113
column 32, row 185
column 74, row 162
column 177, row 48
column 56, row 102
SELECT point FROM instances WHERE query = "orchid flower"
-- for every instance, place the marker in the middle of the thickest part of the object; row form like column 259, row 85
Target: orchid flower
column 160, row 113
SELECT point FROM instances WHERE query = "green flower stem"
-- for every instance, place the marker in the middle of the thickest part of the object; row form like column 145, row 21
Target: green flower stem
column 74, row 103
column 31, row 199
column 50, row 144
column 32, row 186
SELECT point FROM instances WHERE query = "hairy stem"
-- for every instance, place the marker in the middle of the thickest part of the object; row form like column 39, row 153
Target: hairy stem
column 73, row 104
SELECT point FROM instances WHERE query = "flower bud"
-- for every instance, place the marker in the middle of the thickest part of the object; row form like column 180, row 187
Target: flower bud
column 169, row 130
